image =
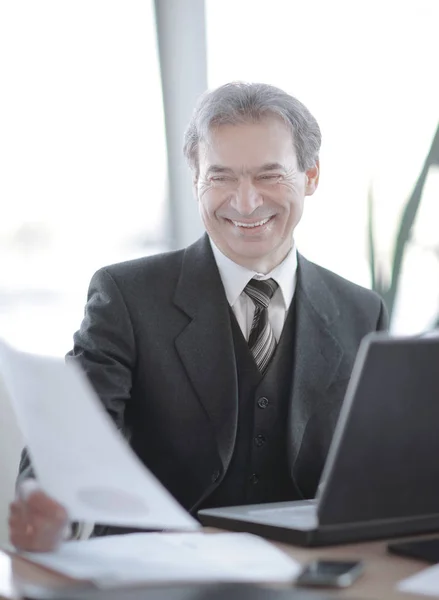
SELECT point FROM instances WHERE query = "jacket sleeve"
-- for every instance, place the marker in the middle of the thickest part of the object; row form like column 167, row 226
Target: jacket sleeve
column 383, row 318
column 104, row 348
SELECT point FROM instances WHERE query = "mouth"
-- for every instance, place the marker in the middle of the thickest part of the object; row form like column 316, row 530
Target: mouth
column 251, row 225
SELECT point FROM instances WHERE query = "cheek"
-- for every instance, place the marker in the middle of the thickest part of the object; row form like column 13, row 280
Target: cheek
column 211, row 200
column 292, row 189
column 291, row 200
column 287, row 198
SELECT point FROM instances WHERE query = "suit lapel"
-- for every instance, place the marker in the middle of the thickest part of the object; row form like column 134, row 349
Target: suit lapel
column 318, row 352
column 205, row 346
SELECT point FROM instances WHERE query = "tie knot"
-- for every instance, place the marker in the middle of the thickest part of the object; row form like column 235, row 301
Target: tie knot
column 261, row 291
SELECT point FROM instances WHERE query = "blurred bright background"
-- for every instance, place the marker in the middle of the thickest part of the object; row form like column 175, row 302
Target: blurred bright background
column 366, row 70
column 90, row 174
column 83, row 144
column 82, row 155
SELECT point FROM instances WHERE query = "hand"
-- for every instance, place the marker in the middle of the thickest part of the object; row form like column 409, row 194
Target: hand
column 37, row 523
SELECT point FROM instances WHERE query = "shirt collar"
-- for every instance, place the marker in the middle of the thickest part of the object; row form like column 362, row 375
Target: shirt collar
column 235, row 277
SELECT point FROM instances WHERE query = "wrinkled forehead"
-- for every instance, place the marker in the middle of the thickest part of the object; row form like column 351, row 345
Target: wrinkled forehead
column 247, row 145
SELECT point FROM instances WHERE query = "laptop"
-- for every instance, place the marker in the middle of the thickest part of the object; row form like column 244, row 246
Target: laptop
column 225, row 591
column 381, row 476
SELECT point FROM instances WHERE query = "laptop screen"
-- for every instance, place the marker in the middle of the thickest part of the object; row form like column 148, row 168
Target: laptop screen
column 383, row 461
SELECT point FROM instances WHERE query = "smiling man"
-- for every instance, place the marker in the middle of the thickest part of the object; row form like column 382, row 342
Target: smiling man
column 251, row 190
column 225, row 363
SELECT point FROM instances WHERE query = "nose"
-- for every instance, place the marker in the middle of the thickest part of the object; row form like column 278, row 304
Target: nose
column 246, row 198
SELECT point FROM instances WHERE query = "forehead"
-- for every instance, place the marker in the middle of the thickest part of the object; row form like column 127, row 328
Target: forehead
column 249, row 144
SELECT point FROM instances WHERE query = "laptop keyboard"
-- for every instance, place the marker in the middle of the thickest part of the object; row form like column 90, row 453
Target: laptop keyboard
column 298, row 517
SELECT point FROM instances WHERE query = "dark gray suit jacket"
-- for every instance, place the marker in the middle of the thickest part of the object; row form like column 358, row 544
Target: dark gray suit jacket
column 156, row 344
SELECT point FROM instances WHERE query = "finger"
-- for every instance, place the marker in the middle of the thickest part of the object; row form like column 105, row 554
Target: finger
column 23, row 490
column 37, row 523
column 46, row 526
column 33, row 497
column 26, row 487
column 20, row 532
column 32, row 521
column 48, row 531
column 39, row 536
column 19, row 526
column 32, row 544
column 17, row 523
column 17, row 518
column 20, row 541
column 15, row 508
column 30, row 495
column 38, row 502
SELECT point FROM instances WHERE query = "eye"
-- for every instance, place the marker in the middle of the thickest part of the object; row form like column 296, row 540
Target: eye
column 220, row 179
column 270, row 177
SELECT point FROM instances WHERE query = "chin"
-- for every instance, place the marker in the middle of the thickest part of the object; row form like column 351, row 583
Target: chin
column 251, row 249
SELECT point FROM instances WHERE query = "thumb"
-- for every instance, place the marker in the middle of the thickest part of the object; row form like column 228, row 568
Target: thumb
column 26, row 488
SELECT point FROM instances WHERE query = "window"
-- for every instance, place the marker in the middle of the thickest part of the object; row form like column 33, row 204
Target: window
column 367, row 71
column 82, row 149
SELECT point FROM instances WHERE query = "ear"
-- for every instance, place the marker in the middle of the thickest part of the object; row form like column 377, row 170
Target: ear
column 312, row 179
column 195, row 186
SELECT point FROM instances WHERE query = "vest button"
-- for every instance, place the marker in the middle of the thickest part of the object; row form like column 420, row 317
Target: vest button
column 254, row 478
column 260, row 440
column 263, row 402
column 215, row 476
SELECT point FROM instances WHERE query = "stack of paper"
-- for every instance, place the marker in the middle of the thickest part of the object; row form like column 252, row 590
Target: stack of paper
column 141, row 558
column 426, row 582
column 81, row 460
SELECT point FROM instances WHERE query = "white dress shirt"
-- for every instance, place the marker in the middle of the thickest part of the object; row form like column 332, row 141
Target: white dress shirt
column 235, row 278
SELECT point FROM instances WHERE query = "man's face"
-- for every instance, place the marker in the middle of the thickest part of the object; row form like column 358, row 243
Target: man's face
column 251, row 191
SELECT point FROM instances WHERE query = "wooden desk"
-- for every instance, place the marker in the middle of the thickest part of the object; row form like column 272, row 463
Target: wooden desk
column 382, row 571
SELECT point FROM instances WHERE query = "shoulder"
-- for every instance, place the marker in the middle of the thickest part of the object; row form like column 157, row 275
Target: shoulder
column 338, row 285
column 352, row 301
column 157, row 265
column 159, row 270
column 140, row 278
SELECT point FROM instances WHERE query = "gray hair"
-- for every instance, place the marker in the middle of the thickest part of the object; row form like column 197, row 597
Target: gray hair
column 237, row 103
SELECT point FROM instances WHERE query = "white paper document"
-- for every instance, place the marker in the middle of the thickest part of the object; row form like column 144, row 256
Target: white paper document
column 164, row 557
column 80, row 458
column 433, row 333
column 426, row 582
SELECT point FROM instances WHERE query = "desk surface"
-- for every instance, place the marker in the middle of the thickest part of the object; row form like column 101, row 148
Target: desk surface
column 382, row 571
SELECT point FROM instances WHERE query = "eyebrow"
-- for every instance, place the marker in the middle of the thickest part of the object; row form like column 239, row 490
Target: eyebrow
column 272, row 167
column 266, row 167
column 218, row 169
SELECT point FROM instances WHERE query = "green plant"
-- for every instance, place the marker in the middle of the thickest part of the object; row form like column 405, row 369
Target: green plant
column 388, row 288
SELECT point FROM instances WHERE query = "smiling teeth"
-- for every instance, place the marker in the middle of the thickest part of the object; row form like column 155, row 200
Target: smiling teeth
column 239, row 224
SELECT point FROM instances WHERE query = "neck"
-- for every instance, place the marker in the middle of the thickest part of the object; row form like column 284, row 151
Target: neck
column 263, row 264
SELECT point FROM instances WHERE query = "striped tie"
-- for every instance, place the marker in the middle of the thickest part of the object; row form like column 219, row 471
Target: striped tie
column 261, row 342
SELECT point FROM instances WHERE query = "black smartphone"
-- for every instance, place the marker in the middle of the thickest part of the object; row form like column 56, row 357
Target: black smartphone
column 422, row 549
column 330, row 573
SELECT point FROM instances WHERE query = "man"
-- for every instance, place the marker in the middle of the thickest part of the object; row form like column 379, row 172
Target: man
column 225, row 363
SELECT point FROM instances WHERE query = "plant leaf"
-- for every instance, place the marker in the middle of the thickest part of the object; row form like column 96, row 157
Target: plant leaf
column 407, row 221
